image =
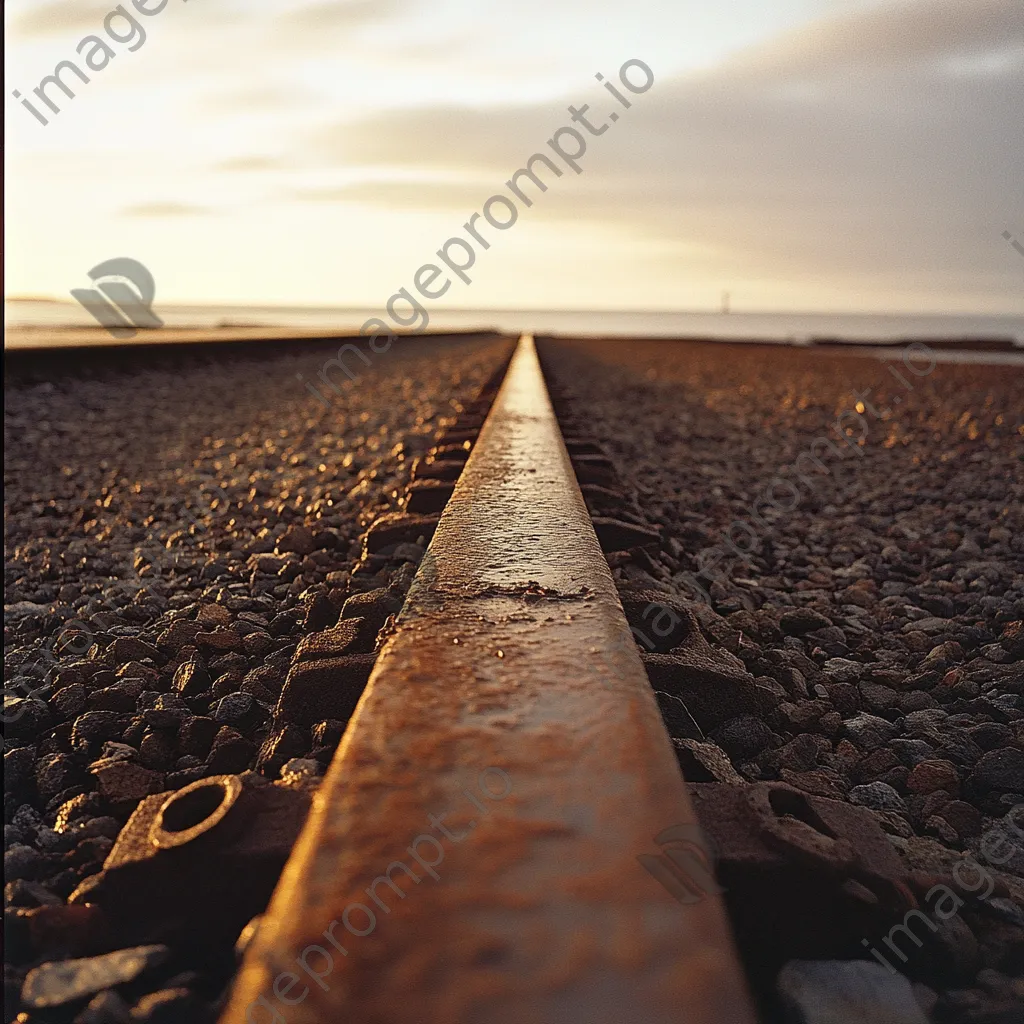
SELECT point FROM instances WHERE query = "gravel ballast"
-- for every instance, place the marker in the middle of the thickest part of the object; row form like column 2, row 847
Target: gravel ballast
column 178, row 520
column 850, row 539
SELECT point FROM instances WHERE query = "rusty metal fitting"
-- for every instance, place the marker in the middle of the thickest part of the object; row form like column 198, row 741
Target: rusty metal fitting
column 805, row 877
column 822, row 834
column 196, row 865
column 194, row 810
column 787, row 820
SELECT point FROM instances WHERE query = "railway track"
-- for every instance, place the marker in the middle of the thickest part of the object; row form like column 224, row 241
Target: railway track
column 505, row 832
column 510, row 696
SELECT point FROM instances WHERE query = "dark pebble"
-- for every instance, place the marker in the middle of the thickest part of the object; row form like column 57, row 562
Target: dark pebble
column 192, row 678
column 999, row 770
column 233, row 708
column 106, row 1008
column 96, row 726
column 19, row 768
column 61, row 982
column 195, row 736
column 70, row 701
column 230, row 753
column 744, row 737
column 22, row 862
column 58, row 772
column 24, row 893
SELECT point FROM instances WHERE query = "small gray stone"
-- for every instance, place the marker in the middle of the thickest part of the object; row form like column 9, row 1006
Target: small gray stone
column 1000, row 770
column 192, row 678
column 100, row 826
column 911, row 752
column 922, row 721
column 745, row 737
column 21, row 862
column 23, row 893
column 95, row 726
column 705, row 762
column 842, row 670
column 56, row 773
column 894, row 824
column 407, row 553
column 846, row 992
column 50, row 841
column 126, row 648
column 164, row 718
column 65, row 981
column 26, row 817
column 70, row 701
column 232, row 708
column 114, row 751
column 931, row 624
column 869, row 731
column 24, row 717
column 1007, row 910
column 878, row 796
column 19, row 767
column 124, row 783
column 798, row 621
column 1002, row 846
column 297, row 540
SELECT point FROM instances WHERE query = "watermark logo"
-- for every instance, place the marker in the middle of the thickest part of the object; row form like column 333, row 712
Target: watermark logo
column 1013, row 242
column 122, row 299
column 686, row 865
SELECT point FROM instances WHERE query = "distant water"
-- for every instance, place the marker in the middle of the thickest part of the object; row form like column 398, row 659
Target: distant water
column 792, row 327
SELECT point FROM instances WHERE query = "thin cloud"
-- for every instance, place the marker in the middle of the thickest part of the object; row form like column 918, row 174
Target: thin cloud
column 433, row 195
column 877, row 144
column 354, row 14
column 61, row 17
column 775, row 162
column 450, row 137
column 165, row 209
column 246, row 164
column 261, row 98
column 897, row 36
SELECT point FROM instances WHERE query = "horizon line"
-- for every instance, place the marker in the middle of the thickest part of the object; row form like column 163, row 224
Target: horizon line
column 708, row 311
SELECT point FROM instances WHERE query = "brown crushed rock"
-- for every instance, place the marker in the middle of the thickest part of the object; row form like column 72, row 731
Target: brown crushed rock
column 875, row 611
column 178, row 520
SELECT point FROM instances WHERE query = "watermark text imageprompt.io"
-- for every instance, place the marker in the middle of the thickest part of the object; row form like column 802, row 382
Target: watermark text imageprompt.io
column 95, row 52
column 499, row 212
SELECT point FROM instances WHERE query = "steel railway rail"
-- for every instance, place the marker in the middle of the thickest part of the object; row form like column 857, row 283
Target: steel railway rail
column 472, row 852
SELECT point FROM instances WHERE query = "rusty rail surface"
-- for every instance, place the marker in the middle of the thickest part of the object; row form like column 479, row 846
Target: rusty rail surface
column 471, row 856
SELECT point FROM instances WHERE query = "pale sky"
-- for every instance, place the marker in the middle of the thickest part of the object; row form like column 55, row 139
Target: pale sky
column 856, row 155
